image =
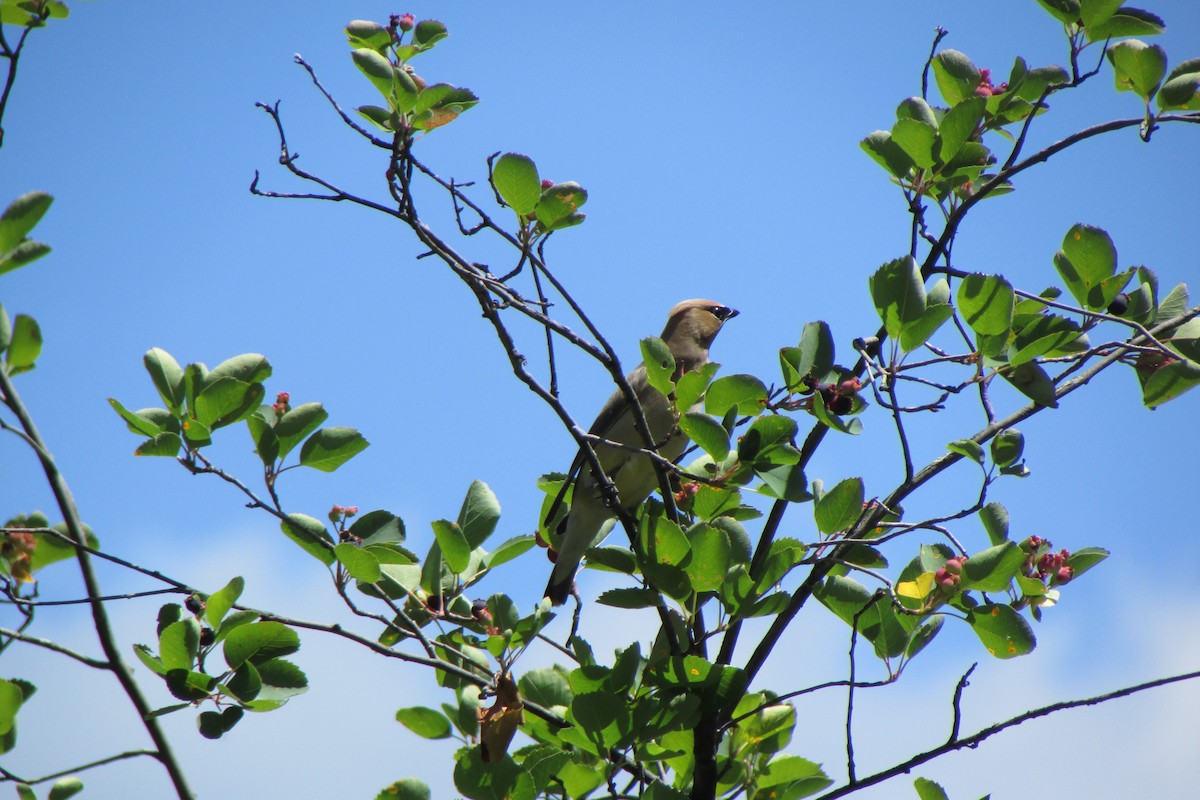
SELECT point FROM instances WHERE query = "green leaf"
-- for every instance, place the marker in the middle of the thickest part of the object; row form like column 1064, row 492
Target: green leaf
column 1003, row 631
column 790, row 776
column 558, row 203
column 24, row 253
column 956, row 76
column 311, row 535
column 248, row 368
column 259, row 642
column 1046, row 336
column 690, row 387
column 1087, row 260
column 1007, row 447
column 992, row 570
column 382, row 118
column 359, row 562
column 296, row 424
column 221, row 601
column 516, row 179
column 917, row 139
column 967, row 449
column 364, row 33
column 11, row 698
column 25, row 346
column 1085, row 558
column 501, row 780
column 179, row 643
column 630, row 598
column 659, row 364
column 1169, row 381
column 1126, row 22
column 1181, row 91
column 986, row 304
column 916, row 108
column 746, row 393
column 711, row 557
column 224, row 398
column 378, row 70
column 994, row 517
column 1033, row 382
column 706, row 432
column 928, row 790
column 428, row 32
column 510, row 549
column 215, row 724
column 1097, row 12
column 456, row 550
column 145, row 425
column 898, row 293
column 479, row 514
column 425, row 722
column 408, row 789
column 329, row 448
column 887, row 153
column 916, row 334
column 959, row 125
column 63, row 788
column 767, row 436
column 5, row 330
column 167, row 376
column 163, row 444
column 784, row 482
column 20, row 218
column 839, row 507
column 1138, row 67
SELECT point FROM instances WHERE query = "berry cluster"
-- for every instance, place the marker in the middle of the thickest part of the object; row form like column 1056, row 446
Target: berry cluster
column 282, row 403
column 949, row 574
column 398, row 23
column 1041, row 563
column 17, row 549
column 838, row 397
column 985, row 87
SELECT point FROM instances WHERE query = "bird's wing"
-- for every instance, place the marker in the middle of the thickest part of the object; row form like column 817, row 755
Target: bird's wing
column 614, row 416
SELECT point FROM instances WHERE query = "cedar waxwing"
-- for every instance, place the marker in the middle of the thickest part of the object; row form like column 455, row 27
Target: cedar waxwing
column 691, row 327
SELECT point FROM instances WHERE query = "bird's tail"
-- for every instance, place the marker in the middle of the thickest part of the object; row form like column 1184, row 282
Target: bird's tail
column 559, row 587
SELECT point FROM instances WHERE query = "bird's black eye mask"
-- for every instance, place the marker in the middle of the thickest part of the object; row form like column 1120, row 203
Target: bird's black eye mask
column 723, row 313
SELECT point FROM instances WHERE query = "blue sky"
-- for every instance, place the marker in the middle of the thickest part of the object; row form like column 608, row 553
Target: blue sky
column 720, row 151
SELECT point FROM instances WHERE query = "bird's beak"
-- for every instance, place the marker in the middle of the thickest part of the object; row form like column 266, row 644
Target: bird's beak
column 725, row 313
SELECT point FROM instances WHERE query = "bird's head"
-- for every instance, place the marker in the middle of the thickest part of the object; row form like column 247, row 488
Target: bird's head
column 694, row 324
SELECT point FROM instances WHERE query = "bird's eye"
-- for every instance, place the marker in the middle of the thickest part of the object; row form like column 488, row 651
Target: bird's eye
column 722, row 312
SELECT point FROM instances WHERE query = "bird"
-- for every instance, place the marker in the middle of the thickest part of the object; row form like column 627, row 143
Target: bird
column 691, row 327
